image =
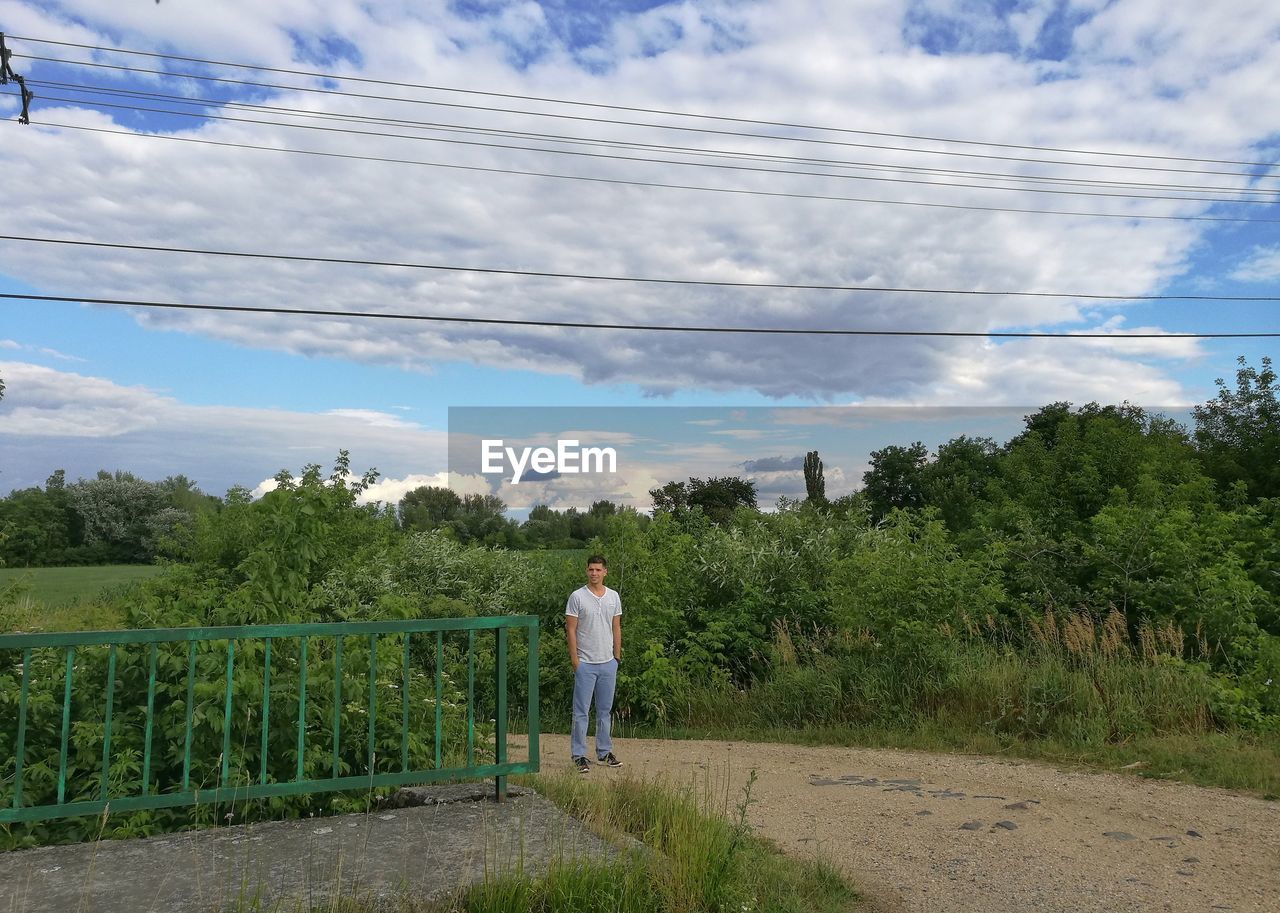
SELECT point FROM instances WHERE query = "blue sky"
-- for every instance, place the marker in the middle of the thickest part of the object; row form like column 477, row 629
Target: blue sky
column 232, row 398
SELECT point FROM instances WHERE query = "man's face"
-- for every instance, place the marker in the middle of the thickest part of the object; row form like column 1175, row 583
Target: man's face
column 596, row 573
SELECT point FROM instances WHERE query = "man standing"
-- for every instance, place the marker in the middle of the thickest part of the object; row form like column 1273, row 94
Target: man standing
column 593, row 623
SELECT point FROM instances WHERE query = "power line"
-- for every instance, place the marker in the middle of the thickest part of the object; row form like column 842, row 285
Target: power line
column 595, row 141
column 561, row 324
column 544, row 274
column 653, row 126
column 640, row 110
column 660, row 161
column 655, row 184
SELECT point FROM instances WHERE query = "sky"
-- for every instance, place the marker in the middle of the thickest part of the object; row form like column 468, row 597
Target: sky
column 891, row 101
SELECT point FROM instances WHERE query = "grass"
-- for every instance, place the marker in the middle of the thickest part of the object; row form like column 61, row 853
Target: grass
column 680, row 852
column 64, row 598
column 1079, row 692
column 57, row 587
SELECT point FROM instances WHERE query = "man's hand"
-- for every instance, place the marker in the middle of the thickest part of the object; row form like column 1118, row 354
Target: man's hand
column 571, row 634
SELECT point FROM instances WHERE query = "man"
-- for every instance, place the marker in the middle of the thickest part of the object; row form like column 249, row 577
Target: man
column 593, row 624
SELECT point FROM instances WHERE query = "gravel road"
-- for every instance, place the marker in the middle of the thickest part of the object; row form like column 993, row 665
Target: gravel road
column 942, row 833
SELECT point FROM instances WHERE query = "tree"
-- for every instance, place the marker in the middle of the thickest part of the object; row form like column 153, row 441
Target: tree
column 672, row 498
column 481, row 519
column 895, row 479
column 116, row 511
column 815, row 485
column 1238, row 432
column 547, row 528
column 428, row 507
column 716, row 498
column 956, row 481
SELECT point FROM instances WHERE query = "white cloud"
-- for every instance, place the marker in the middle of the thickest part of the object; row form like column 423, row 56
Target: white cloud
column 14, row 345
column 51, row 418
column 1262, row 265
column 1146, row 77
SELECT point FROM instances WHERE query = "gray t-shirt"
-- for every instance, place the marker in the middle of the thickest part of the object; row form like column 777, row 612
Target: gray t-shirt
column 595, row 622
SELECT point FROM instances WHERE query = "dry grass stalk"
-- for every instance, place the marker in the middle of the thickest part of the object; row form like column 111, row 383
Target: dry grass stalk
column 783, row 646
column 1079, row 635
column 1171, row 638
column 1045, row 631
column 1147, row 641
column 1115, row 634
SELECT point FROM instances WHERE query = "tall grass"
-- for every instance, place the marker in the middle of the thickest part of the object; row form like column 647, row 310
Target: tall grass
column 1077, row 680
column 1069, row 687
column 697, row 856
column 682, row 853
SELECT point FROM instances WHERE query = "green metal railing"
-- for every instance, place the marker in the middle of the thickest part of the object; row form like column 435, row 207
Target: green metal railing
column 304, row 649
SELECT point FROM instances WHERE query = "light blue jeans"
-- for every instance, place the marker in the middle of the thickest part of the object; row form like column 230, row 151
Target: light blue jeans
column 593, row 680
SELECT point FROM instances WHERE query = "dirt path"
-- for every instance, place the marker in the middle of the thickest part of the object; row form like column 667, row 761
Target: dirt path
column 940, row 833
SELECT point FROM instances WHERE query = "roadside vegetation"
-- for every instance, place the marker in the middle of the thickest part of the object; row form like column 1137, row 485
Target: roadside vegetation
column 678, row 852
column 1104, row 588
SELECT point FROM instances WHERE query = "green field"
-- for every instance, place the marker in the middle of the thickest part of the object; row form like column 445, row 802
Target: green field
column 63, row 598
column 61, row 586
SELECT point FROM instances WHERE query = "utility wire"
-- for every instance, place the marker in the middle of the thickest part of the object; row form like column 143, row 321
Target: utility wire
column 787, row 331
column 753, row 169
column 543, row 274
column 613, row 107
column 649, row 125
column 222, row 104
column 656, row 184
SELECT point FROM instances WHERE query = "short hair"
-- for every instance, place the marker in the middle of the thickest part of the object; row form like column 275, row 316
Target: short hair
column 597, row 559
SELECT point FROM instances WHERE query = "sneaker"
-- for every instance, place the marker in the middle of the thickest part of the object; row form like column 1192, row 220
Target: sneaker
column 583, row 765
column 611, row 760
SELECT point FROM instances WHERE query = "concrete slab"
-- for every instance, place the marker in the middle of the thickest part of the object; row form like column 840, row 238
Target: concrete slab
column 437, row 840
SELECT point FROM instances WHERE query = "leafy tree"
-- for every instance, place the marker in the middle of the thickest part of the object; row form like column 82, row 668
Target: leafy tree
column 183, row 494
column 716, row 498
column 956, row 482
column 428, row 507
column 116, row 510
column 547, row 528
column 815, row 485
column 895, row 479
column 672, row 498
column 35, row 529
column 481, row 519
column 1238, row 432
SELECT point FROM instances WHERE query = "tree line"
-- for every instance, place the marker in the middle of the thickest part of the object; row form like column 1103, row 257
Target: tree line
column 1055, row 475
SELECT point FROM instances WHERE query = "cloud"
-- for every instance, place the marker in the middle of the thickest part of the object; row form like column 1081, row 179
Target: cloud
column 774, row 464
column 1141, row 77
column 51, row 419
column 1262, row 265
column 14, row 345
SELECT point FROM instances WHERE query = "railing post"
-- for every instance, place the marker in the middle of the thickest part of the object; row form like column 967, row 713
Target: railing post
column 404, row 707
column 535, row 723
column 266, row 710
column 66, row 728
column 151, row 715
column 190, row 709
column 226, row 713
column 337, row 704
column 106, row 725
column 471, row 697
column 302, row 708
column 500, row 714
column 20, row 753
